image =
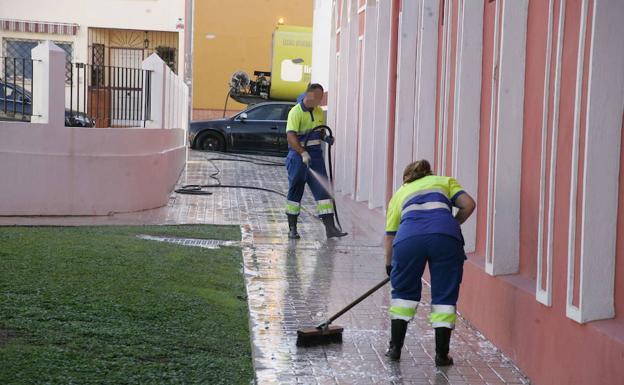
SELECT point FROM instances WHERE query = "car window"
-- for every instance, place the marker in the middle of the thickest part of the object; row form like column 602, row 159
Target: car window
column 6, row 92
column 270, row 112
column 287, row 109
column 10, row 93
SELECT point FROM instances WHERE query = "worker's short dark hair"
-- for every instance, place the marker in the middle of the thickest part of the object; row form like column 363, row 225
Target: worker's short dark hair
column 314, row 87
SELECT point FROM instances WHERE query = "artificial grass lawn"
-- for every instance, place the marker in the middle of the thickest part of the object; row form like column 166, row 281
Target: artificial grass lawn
column 97, row 305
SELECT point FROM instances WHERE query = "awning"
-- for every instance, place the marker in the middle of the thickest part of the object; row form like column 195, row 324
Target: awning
column 38, row 27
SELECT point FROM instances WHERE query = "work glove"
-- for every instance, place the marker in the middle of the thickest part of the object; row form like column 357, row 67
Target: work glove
column 388, row 269
column 329, row 140
column 305, row 157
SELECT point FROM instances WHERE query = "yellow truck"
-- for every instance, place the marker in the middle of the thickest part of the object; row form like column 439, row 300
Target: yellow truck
column 291, row 69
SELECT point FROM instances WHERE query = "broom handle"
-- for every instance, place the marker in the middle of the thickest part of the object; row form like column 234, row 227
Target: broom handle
column 352, row 304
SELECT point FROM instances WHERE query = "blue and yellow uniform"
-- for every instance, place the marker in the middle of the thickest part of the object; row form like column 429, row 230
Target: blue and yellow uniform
column 302, row 121
column 421, row 218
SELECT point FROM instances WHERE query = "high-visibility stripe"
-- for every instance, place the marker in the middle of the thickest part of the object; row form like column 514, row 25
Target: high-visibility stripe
column 448, row 309
column 424, row 192
column 293, row 208
column 425, row 207
column 403, row 303
column 325, row 210
column 443, row 316
column 325, row 206
column 402, row 309
column 443, row 325
column 313, row 142
column 404, row 313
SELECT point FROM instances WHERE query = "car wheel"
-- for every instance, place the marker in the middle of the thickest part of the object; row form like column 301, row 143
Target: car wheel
column 210, row 141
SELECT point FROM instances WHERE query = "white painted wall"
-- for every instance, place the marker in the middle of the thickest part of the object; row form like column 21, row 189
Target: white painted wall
column 152, row 15
column 160, row 15
column 321, row 42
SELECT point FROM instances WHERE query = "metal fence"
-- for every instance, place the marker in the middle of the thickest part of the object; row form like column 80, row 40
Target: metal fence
column 108, row 96
column 16, row 88
column 95, row 95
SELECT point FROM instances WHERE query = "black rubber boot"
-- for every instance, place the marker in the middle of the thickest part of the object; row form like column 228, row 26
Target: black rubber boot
column 330, row 228
column 292, row 227
column 397, row 332
column 443, row 340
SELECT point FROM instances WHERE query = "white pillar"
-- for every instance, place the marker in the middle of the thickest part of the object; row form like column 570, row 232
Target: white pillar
column 366, row 143
column 351, row 119
column 48, row 84
column 601, row 167
column 425, row 83
column 505, row 153
column 321, row 42
column 382, row 106
column 405, row 97
column 158, row 95
column 467, row 116
column 344, row 96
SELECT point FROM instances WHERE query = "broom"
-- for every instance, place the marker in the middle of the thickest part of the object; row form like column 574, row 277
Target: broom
column 325, row 332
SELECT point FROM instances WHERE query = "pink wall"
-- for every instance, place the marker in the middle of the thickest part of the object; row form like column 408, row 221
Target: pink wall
column 549, row 347
column 394, row 44
column 543, row 340
column 49, row 170
column 619, row 262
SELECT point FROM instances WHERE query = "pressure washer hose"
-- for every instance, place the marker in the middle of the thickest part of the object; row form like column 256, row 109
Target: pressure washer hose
column 198, row 189
column 331, row 168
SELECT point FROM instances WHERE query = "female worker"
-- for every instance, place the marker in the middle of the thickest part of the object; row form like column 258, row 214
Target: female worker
column 421, row 229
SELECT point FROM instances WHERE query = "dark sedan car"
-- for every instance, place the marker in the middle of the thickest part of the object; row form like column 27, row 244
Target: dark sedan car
column 16, row 104
column 260, row 129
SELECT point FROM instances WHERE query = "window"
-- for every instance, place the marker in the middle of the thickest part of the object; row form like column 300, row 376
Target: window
column 21, row 49
column 97, row 65
column 270, row 112
column 168, row 55
column 67, row 47
column 287, row 111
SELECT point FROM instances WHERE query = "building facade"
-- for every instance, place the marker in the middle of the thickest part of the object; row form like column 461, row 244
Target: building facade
column 522, row 101
column 116, row 32
column 105, row 45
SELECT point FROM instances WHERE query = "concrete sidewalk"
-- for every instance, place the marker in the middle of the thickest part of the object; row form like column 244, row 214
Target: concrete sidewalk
column 293, row 284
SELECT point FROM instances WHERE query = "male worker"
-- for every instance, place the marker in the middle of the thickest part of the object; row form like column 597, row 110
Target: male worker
column 302, row 162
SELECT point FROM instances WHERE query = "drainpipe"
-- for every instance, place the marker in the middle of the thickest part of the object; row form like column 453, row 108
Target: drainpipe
column 394, row 45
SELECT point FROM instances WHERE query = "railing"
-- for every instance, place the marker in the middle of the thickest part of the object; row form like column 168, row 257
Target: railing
column 16, row 88
column 108, row 96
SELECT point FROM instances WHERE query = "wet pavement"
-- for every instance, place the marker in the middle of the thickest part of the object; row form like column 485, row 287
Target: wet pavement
column 294, row 284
